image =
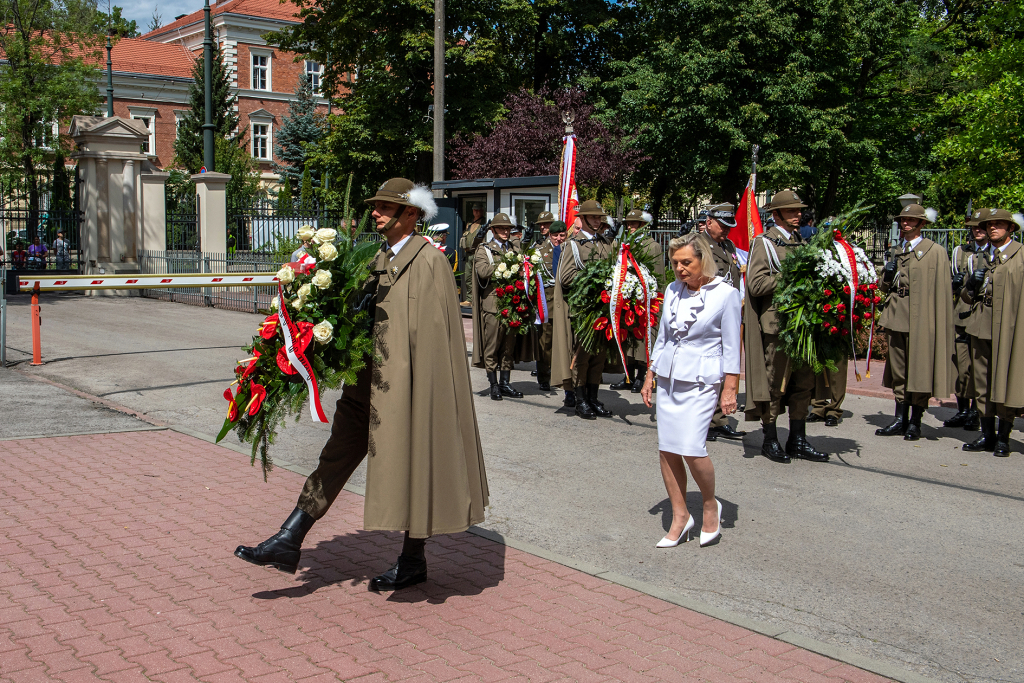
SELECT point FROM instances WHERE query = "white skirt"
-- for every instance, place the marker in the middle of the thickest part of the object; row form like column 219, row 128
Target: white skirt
column 684, row 411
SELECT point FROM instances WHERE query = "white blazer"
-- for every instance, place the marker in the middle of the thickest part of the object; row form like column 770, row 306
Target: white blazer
column 699, row 334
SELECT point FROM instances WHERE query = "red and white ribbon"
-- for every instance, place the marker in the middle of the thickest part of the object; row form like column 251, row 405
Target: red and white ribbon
column 624, row 261
column 531, row 274
column 298, row 358
column 849, row 259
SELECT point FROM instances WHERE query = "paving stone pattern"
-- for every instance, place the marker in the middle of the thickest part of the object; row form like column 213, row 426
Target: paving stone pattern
column 117, row 566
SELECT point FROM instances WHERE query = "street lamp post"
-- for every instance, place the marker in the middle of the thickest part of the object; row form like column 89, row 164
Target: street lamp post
column 438, row 92
column 110, row 80
column 208, row 127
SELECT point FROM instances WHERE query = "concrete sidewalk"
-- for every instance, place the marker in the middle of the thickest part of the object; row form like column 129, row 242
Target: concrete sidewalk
column 118, row 566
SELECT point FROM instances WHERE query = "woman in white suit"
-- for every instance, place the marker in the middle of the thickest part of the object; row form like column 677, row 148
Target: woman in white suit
column 695, row 358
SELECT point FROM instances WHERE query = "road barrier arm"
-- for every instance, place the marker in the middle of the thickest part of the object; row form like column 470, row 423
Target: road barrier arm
column 77, row 283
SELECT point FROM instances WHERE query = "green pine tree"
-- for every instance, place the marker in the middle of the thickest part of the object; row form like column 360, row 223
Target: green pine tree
column 188, row 147
column 306, row 193
column 284, row 196
column 302, row 128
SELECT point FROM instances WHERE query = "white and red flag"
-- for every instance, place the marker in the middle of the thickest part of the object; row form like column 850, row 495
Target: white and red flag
column 568, row 199
column 748, row 217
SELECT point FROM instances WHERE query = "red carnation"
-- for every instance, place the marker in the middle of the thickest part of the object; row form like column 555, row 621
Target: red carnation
column 520, row 286
column 605, row 297
column 867, row 315
column 841, row 307
column 856, row 317
column 873, row 286
column 828, row 292
column 827, row 307
column 846, row 331
column 504, row 312
column 846, row 289
column 834, row 330
column 521, row 309
column 514, row 324
column 842, row 318
column 516, row 299
column 601, row 323
column 877, row 299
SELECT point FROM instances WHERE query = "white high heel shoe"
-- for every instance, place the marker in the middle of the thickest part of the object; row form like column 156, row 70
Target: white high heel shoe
column 714, row 537
column 683, row 537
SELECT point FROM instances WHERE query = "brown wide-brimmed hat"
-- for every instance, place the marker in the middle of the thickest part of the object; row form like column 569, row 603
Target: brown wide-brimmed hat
column 638, row 215
column 975, row 218
column 787, row 199
column 545, row 217
column 501, row 220
column 989, row 215
column 917, row 211
column 591, row 207
column 404, row 192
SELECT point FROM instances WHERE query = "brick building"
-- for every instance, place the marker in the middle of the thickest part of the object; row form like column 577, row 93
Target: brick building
column 152, row 74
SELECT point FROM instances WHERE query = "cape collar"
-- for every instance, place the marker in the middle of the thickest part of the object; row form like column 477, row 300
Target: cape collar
column 401, row 262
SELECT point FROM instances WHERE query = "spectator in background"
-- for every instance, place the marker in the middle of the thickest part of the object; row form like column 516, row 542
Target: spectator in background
column 62, row 250
column 808, row 229
column 37, row 255
column 19, row 257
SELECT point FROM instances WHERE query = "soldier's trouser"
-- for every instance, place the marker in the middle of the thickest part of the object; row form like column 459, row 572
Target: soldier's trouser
column 344, row 450
column 835, row 391
column 962, row 361
column 981, row 370
column 544, row 360
column 499, row 344
column 897, row 364
column 588, row 367
column 799, row 386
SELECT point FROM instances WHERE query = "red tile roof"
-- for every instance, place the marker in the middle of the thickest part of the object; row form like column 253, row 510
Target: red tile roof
column 266, row 9
column 136, row 55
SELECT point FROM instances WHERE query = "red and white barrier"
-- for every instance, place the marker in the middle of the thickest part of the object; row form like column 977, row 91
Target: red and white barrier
column 77, row 283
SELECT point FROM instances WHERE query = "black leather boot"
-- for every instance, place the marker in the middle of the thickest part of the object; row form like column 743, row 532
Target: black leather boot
column 595, row 404
column 407, row 571
column 913, row 432
column 583, row 408
column 544, row 381
column 639, row 378
column 281, row 550
column 973, row 423
column 797, row 445
column 506, row 388
column 771, row 448
column 570, row 399
column 987, row 440
column 492, row 377
column 963, row 413
column 627, row 379
column 899, row 425
column 728, row 432
column 1002, row 448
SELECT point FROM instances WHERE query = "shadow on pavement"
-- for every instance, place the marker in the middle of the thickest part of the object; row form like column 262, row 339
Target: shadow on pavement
column 458, row 565
column 695, row 506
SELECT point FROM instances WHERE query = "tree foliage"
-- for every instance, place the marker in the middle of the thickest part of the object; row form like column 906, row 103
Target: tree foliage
column 301, row 128
column 188, row 146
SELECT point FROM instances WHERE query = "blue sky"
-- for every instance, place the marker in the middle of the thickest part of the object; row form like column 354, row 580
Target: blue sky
column 142, row 10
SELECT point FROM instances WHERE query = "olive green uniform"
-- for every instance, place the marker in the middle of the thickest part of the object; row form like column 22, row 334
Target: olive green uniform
column 586, row 368
column 498, row 342
column 472, row 238
column 966, row 259
column 547, row 269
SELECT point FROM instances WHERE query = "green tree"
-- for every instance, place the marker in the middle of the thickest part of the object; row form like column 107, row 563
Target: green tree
column 301, row 128
column 116, row 25
column 306, row 192
column 188, row 146
column 284, row 197
column 60, row 188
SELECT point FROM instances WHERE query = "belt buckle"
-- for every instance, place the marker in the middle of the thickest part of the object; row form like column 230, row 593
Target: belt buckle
column 987, row 300
column 903, row 292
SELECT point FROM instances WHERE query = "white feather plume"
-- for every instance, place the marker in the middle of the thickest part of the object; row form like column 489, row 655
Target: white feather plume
column 646, row 217
column 512, row 220
column 1018, row 218
column 609, row 220
column 423, row 199
column 932, row 214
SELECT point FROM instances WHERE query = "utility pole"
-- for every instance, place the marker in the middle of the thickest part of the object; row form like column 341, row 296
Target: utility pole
column 438, row 93
column 208, row 127
column 110, row 80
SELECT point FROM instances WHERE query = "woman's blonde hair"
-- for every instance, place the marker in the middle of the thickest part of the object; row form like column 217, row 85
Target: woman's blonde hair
column 700, row 247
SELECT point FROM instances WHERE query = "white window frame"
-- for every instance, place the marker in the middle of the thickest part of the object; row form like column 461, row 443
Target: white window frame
column 179, row 116
column 139, row 113
column 318, row 72
column 269, row 56
column 269, row 137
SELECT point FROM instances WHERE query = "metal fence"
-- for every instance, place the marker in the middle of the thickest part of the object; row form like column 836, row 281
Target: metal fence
column 28, row 212
column 247, row 299
column 182, row 216
column 265, row 227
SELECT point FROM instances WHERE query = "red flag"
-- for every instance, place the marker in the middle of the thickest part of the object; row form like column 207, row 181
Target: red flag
column 748, row 220
column 568, row 200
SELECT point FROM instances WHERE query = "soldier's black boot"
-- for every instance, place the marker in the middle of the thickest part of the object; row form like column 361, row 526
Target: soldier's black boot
column 544, row 380
column 583, row 408
column 410, row 569
column 987, row 440
column 771, row 448
column 973, row 423
column 570, row 399
column 492, row 377
column 640, row 378
column 1002, row 448
column 728, row 432
column 797, row 445
column 506, row 388
column 913, row 432
column 899, row 425
column 281, row 550
column 627, row 381
column 595, row 404
column 963, row 413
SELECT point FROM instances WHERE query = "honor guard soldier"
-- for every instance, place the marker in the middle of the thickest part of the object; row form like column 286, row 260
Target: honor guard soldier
column 967, row 258
column 543, row 223
column 472, row 237
column 493, row 344
column 419, row 479
column 994, row 292
column 773, row 383
column 636, row 358
column 918, row 320
column 551, row 252
column 570, row 361
column 720, row 219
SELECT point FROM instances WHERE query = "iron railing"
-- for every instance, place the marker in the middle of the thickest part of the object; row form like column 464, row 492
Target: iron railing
column 182, row 217
column 262, row 226
column 28, row 213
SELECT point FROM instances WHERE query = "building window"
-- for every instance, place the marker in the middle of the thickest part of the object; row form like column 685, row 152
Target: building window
column 148, row 118
column 260, row 72
column 261, row 140
column 314, row 71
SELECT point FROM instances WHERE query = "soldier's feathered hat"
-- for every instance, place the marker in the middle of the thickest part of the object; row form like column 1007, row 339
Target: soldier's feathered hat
column 636, row 215
column 545, row 217
column 1015, row 220
column 591, row 207
column 406, row 193
column 787, row 199
column 918, row 211
column 724, row 214
column 975, row 218
column 502, row 220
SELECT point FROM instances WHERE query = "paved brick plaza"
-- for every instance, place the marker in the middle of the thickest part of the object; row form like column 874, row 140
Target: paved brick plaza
column 117, row 565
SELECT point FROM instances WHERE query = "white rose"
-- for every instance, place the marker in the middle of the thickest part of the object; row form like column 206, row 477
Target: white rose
column 325, row 236
column 274, row 304
column 515, row 268
column 323, row 332
column 535, row 258
column 286, row 275
column 304, row 291
column 502, row 268
column 322, row 279
column 327, row 252
column 298, row 303
column 305, row 233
